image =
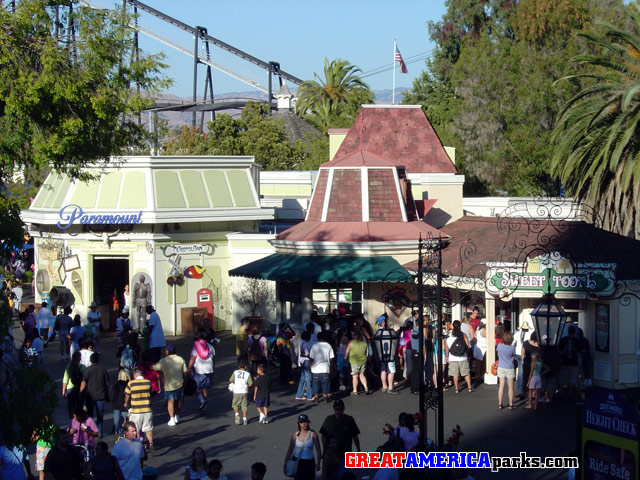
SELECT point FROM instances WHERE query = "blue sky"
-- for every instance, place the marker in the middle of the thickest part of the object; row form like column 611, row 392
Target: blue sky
column 298, row 34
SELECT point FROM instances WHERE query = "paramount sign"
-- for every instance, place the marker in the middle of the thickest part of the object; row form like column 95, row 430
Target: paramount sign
column 72, row 213
column 550, row 274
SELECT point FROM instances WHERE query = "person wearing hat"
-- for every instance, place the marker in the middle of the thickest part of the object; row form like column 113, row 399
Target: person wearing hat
column 520, row 336
column 95, row 322
column 343, row 428
column 123, row 326
column 301, row 450
column 173, row 369
column 156, row 335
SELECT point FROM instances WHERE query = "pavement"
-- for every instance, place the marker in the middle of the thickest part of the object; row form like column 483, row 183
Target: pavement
column 550, row 432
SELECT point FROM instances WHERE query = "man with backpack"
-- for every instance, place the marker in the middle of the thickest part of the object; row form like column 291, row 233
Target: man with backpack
column 257, row 349
column 456, row 348
column 569, row 349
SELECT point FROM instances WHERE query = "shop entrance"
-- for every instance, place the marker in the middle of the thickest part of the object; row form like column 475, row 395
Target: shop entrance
column 109, row 274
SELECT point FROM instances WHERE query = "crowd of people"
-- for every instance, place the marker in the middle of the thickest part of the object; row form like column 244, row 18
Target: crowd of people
column 335, row 356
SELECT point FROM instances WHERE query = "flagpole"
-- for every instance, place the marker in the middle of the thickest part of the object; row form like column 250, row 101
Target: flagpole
column 393, row 92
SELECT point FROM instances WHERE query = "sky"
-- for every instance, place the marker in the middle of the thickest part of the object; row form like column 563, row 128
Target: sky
column 299, row 34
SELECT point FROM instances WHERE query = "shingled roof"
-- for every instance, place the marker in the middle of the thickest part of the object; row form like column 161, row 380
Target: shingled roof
column 475, row 241
column 399, row 133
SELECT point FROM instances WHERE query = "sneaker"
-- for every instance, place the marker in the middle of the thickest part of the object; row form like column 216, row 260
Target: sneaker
column 342, row 388
column 244, row 421
column 203, row 406
column 172, row 423
column 261, row 419
column 237, row 420
column 300, row 398
column 176, row 419
column 265, row 420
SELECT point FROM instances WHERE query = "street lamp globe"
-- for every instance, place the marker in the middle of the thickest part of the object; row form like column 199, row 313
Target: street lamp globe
column 385, row 341
column 549, row 318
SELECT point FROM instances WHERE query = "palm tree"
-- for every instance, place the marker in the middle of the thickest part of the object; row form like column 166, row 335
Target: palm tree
column 333, row 96
column 598, row 130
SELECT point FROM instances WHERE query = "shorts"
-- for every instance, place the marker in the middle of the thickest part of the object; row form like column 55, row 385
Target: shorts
column 320, row 383
column 41, row 455
column 143, row 421
column 459, row 368
column 262, row 402
column 506, row 372
column 203, row 380
column 174, row 394
column 568, row 375
column 389, row 367
column 535, row 382
column 240, row 401
column 357, row 369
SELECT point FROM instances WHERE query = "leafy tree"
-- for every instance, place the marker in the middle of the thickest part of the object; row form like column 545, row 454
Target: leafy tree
column 254, row 133
column 333, row 101
column 65, row 102
column 489, row 89
column 598, row 130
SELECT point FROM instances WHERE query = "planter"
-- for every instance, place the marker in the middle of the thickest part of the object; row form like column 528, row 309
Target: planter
column 254, row 322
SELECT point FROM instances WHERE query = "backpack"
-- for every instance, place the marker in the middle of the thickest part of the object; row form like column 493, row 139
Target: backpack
column 75, row 374
column 459, row 347
column 255, row 350
column 128, row 359
column 202, row 348
column 569, row 349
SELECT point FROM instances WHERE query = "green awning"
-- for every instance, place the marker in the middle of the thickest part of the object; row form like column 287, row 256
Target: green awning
column 314, row 268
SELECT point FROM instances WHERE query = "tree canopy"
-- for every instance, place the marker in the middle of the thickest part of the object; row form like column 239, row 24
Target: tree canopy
column 490, row 89
column 68, row 99
column 254, row 133
column 598, row 129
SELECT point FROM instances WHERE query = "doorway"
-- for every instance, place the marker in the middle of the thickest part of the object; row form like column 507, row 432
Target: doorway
column 109, row 274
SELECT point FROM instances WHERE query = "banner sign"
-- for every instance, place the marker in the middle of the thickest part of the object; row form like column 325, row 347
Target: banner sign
column 609, row 437
column 70, row 213
column 553, row 274
column 196, row 248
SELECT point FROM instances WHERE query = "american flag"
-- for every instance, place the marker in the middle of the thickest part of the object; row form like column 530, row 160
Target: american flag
column 398, row 58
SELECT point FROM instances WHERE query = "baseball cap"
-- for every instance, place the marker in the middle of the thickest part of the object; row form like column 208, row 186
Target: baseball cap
column 338, row 404
column 125, row 309
column 303, row 418
column 171, row 347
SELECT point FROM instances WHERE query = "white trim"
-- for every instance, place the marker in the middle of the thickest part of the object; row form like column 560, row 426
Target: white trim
column 327, row 194
column 399, row 192
column 376, row 105
column 286, row 178
column 254, row 190
column 293, row 245
column 418, row 179
column 226, row 182
column 151, row 189
column 250, row 236
column 364, row 182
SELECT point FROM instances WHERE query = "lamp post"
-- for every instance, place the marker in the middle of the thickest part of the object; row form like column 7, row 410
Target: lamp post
column 385, row 341
column 549, row 318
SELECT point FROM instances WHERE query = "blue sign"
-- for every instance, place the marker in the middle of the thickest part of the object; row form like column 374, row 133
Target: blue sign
column 610, row 412
column 71, row 213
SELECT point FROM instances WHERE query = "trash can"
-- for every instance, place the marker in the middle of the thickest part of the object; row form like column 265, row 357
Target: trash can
column 190, row 318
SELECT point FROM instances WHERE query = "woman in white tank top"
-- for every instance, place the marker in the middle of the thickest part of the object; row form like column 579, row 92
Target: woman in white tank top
column 301, row 450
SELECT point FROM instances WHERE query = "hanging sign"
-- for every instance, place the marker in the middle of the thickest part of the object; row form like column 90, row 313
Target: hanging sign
column 609, row 437
column 551, row 273
column 186, row 249
column 194, row 271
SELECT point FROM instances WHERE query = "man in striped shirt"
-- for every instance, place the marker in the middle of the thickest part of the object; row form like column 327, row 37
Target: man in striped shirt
column 137, row 396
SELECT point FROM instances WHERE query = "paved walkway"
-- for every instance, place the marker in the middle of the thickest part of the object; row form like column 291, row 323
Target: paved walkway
column 485, row 428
